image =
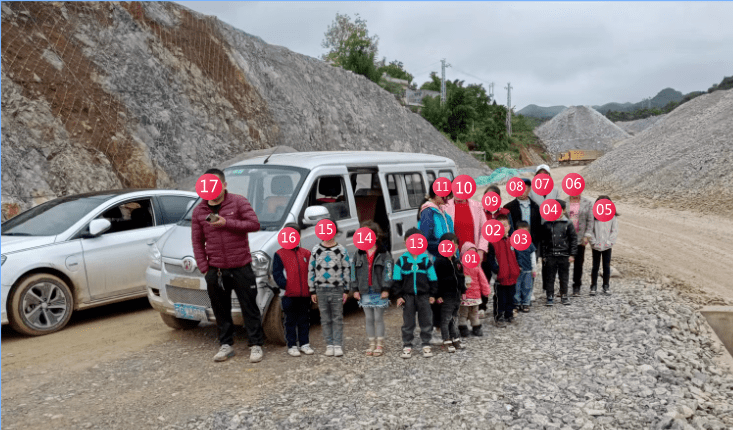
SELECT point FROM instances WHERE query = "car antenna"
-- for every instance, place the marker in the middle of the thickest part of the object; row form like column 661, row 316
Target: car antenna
column 268, row 157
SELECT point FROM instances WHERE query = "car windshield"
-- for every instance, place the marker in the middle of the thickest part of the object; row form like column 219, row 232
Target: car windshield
column 51, row 218
column 270, row 190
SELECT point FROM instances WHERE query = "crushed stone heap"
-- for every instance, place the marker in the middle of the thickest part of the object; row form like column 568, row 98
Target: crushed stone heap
column 637, row 126
column 685, row 161
column 579, row 127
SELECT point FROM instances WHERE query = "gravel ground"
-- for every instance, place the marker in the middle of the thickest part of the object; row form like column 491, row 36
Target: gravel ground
column 636, row 359
column 641, row 358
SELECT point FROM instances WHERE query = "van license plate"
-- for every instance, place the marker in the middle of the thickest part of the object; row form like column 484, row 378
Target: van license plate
column 190, row 312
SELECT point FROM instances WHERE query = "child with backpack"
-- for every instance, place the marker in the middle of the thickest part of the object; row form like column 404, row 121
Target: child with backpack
column 371, row 279
column 451, row 286
column 476, row 286
column 290, row 270
column 415, row 285
column 602, row 236
column 328, row 281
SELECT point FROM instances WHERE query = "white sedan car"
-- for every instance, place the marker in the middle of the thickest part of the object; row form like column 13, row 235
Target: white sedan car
column 81, row 251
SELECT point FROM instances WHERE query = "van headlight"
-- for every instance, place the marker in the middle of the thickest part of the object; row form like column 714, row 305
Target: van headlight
column 2, row 259
column 260, row 263
column 156, row 259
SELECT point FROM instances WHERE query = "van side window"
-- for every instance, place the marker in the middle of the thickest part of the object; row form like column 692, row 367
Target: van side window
column 330, row 192
column 394, row 197
column 446, row 174
column 431, row 177
column 415, row 189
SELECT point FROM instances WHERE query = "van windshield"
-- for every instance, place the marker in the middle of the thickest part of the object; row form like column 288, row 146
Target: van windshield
column 271, row 190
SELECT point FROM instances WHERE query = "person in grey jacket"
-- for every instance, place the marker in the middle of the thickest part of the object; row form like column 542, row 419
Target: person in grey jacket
column 580, row 213
column 602, row 236
column 371, row 280
column 538, row 199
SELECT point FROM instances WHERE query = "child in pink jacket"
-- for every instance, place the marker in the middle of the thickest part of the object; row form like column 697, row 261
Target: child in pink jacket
column 476, row 286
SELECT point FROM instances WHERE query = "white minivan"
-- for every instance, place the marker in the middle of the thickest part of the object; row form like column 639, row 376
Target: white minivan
column 300, row 187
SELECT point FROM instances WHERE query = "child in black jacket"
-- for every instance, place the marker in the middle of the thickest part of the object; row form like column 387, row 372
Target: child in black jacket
column 559, row 245
column 451, row 286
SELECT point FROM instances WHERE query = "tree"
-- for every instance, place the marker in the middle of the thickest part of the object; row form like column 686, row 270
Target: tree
column 360, row 59
column 343, row 36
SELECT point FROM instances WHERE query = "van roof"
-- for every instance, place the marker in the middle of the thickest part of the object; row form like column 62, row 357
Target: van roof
column 311, row 160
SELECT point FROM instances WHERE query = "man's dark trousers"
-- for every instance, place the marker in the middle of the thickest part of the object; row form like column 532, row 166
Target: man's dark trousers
column 242, row 281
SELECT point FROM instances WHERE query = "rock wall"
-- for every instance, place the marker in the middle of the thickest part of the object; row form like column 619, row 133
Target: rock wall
column 116, row 95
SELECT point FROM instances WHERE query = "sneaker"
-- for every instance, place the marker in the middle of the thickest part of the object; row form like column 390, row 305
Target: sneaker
column 406, row 352
column 458, row 344
column 565, row 300
column 293, row 351
column 525, row 309
column 255, row 354
column 225, row 352
column 329, row 350
column 306, row 349
column 436, row 338
column 550, row 301
column 426, row 352
column 510, row 320
column 448, row 345
column 337, row 351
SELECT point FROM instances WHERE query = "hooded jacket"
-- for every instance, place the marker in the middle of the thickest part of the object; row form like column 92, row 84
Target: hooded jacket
column 223, row 247
column 479, row 218
column 479, row 285
column 451, row 281
column 414, row 275
column 381, row 272
column 433, row 224
column 603, row 235
column 559, row 238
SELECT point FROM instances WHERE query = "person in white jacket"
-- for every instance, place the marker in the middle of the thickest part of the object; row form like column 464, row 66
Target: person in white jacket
column 602, row 236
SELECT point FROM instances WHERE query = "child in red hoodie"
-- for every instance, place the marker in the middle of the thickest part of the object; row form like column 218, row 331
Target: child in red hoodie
column 503, row 262
column 476, row 286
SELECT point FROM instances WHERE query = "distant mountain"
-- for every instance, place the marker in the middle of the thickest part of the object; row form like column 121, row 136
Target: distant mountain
column 662, row 98
column 541, row 112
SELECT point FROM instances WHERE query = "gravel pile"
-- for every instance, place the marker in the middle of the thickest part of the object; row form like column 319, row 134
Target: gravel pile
column 636, row 359
column 579, row 127
column 686, row 160
column 637, row 126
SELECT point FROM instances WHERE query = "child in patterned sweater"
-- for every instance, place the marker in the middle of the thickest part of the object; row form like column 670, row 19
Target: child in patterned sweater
column 328, row 281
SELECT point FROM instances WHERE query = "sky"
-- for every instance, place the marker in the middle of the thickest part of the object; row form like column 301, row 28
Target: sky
column 553, row 53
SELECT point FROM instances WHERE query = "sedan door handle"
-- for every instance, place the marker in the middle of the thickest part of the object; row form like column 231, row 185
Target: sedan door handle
column 350, row 233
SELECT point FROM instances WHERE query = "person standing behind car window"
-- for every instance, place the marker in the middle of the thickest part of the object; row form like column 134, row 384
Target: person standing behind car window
column 219, row 231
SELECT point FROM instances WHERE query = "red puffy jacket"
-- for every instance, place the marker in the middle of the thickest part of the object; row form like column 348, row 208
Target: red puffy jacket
column 223, row 247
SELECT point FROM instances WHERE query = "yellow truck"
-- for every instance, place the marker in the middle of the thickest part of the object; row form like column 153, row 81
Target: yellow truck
column 578, row 156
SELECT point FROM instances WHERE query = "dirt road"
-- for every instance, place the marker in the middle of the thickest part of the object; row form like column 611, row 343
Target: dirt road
column 693, row 251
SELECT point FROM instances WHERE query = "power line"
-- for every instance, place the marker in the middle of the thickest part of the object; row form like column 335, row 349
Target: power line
column 475, row 77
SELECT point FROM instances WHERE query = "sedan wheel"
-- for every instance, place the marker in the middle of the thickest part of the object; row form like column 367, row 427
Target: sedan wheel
column 41, row 304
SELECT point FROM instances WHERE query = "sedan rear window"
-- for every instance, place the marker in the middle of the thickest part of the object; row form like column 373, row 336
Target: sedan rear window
column 51, row 218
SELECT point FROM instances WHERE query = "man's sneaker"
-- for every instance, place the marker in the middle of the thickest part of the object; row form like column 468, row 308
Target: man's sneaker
column 329, row 350
column 448, row 345
column 306, row 349
column 593, row 290
column 406, row 352
column 550, row 301
column 255, row 354
column 293, row 351
column 576, row 291
column 426, row 352
column 565, row 300
column 458, row 344
column 337, row 351
column 225, row 352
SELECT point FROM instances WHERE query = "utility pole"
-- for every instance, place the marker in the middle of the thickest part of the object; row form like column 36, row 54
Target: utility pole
column 442, row 81
column 491, row 91
column 508, row 89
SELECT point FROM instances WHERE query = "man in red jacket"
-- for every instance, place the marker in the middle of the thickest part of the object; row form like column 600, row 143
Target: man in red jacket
column 219, row 230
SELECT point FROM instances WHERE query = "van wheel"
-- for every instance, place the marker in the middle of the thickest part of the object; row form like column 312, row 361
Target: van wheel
column 40, row 304
column 274, row 323
column 179, row 323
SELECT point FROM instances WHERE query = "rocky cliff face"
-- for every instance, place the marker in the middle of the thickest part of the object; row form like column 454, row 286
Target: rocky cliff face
column 113, row 95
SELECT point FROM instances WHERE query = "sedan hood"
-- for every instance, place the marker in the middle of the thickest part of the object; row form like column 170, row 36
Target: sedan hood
column 11, row 244
column 176, row 243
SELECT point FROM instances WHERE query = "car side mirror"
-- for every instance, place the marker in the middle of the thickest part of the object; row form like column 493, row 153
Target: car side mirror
column 99, row 226
column 313, row 214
